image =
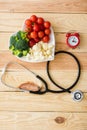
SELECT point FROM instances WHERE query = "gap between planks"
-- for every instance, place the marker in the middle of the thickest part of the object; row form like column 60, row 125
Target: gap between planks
column 47, row 102
column 44, row 6
column 60, row 22
column 36, row 121
column 60, row 39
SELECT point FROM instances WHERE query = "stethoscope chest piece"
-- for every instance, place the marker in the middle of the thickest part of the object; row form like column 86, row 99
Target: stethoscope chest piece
column 77, row 95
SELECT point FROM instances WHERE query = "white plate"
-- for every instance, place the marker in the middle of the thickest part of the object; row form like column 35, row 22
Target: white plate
column 51, row 42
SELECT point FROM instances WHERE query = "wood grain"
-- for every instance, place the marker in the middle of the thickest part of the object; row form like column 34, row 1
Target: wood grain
column 59, row 6
column 42, row 121
column 64, row 78
column 19, row 110
column 60, row 39
column 22, row 102
column 61, row 62
column 60, row 22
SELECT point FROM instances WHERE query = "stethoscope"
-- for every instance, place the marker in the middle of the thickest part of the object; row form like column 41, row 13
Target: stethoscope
column 77, row 95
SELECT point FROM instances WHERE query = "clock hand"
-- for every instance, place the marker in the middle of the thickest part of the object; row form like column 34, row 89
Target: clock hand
column 74, row 40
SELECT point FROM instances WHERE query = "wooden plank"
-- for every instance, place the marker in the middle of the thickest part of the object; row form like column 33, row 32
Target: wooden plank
column 60, row 22
column 42, row 121
column 64, row 78
column 19, row 110
column 60, row 42
column 44, row 6
column 24, row 101
column 61, row 62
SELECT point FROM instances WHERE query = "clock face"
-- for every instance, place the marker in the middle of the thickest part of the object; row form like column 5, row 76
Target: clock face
column 73, row 40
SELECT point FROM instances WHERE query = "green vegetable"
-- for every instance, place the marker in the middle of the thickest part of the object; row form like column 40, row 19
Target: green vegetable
column 16, row 52
column 20, row 54
column 25, row 52
column 19, row 44
column 12, row 40
column 11, row 47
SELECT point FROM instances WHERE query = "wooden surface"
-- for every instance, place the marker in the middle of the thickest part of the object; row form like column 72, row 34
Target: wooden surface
column 19, row 110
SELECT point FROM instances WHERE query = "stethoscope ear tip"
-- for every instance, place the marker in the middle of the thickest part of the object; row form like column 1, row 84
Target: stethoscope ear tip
column 77, row 95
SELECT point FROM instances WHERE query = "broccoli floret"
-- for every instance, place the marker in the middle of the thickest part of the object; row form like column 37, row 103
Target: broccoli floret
column 20, row 54
column 25, row 53
column 11, row 47
column 21, row 35
column 19, row 44
column 12, row 40
column 16, row 52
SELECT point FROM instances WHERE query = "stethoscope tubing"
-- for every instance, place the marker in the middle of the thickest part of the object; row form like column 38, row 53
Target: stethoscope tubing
column 78, row 76
column 48, row 73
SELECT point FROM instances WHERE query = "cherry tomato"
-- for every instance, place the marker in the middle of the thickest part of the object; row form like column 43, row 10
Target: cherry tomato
column 47, row 24
column 28, row 28
column 36, row 27
column 32, row 43
column 33, row 34
column 40, row 20
column 45, row 39
column 47, row 31
column 37, row 39
column 33, row 18
column 28, row 22
column 41, row 26
column 28, row 36
column 40, row 34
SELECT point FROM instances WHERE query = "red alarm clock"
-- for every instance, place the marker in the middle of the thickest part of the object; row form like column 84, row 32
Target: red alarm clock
column 73, row 39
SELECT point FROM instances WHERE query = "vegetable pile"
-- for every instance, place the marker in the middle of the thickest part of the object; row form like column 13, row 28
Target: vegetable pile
column 38, row 30
column 19, row 44
column 33, row 40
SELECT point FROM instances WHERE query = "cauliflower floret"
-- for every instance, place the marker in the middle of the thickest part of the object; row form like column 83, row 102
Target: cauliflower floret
column 45, row 46
column 41, row 51
column 37, row 47
column 49, row 52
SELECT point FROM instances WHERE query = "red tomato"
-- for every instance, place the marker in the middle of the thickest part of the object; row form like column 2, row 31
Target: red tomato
column 40, row 34
column 28, row 36
column 41, row 27
column 47, row 31
column 28, row 28
column 33, row 34
column 28, row 22
column 32, row 43
column 47, row 24
column 45, row 39
column 36, row 27
column 37, row 39
column 33, row 18
column 40, row 20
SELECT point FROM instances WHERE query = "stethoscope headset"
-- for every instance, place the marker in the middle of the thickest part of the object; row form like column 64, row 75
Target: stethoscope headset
column 77, row 95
